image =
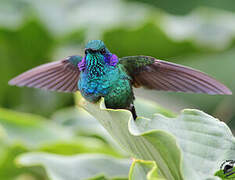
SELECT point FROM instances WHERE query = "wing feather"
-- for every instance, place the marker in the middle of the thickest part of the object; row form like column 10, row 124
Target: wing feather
column 41, row 79
column 71, row 85
column 199, row 79
column 52, row 84
column 60, row 76
column 61, row 86
column 156, row 74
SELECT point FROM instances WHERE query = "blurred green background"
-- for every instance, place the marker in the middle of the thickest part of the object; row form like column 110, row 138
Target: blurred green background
column 200, row 34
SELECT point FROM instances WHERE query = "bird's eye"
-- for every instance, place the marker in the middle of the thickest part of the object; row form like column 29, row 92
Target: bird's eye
column 102, row 51
column 86, row 51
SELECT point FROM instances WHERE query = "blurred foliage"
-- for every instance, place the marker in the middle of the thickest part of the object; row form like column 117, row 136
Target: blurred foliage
column 184, row 6
column 148, row 39
column 35, row 36
column 28, row 46
column 9, row 170
column 30, row 133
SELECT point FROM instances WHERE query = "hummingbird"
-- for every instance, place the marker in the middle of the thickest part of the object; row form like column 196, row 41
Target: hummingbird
column 101, row 73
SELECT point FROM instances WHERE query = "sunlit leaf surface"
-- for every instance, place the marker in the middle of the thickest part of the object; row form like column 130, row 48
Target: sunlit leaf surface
column 182, row 147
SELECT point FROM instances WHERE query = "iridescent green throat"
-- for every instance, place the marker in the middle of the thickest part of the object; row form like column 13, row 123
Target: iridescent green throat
column 95, row 64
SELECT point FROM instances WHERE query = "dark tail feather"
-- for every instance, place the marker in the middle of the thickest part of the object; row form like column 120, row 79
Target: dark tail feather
column 133, row 111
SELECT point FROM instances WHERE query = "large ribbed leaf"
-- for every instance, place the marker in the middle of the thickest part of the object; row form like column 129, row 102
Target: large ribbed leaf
column 190, row 146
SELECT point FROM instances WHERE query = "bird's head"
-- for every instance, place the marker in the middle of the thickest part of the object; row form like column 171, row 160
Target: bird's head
column 97, row 54
column 96, row 47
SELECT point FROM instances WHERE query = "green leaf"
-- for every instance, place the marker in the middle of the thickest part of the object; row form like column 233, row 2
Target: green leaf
column 143, row 170
column 80, row 145
column 223, row 176
column 147, row 109
column 82, row 123
column 77, row 167
column 183, row 147
column 9, row 170
column 26, row 132
column 30, row 130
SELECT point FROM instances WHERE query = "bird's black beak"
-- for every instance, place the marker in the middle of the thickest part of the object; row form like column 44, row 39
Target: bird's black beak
column 89, row 50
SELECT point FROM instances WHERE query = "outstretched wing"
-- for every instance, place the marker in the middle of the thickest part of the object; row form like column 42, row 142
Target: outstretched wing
column 156, row 74
column 59, row 76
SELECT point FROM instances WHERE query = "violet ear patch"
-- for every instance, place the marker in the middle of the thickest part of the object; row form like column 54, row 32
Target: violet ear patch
column 82, row 64
column 113, row 60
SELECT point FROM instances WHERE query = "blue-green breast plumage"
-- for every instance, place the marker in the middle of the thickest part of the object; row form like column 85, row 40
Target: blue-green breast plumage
column 100, row 79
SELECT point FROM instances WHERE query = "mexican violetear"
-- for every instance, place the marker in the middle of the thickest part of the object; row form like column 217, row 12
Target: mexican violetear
column 102, row 74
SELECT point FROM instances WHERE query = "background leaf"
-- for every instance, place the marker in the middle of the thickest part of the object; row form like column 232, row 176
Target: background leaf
column 31, row 130
column 77, row 167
